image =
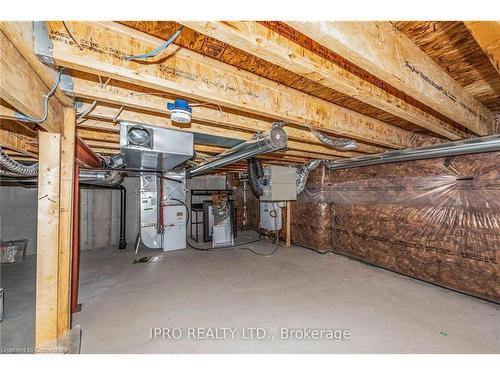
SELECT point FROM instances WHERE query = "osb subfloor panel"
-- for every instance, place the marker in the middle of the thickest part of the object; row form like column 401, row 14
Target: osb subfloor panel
column 386, row 312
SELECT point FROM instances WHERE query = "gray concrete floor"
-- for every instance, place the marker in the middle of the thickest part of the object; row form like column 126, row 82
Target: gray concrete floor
column 18, row 281
column 385, row 312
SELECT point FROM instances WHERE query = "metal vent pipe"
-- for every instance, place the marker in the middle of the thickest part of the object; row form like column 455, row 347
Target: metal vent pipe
column 461, row 147
column 274, row 140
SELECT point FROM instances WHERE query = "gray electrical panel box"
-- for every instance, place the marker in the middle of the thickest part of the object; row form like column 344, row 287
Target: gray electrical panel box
column 279, row 183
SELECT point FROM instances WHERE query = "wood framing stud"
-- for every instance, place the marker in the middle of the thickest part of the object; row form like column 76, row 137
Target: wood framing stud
column 47, row 240
column 66, row 221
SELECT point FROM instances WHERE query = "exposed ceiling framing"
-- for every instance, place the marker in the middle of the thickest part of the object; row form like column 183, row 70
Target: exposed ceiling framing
column 386, row 85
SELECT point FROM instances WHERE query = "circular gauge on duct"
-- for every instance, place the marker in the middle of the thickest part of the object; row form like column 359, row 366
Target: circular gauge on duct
column 139, row 136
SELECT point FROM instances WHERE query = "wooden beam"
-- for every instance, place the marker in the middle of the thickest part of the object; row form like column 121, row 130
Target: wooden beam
column 260, row 41
column 17, row 141
column 186, row 73
column 47, row 240
column 487, row 35
column 65, row 221
column 8, row 113
column 23, row 89
column 107, row 113
column 144, row 100
column 20, row 34
column 380, row 49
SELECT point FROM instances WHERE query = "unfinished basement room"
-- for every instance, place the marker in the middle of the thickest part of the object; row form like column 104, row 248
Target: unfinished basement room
column 185, row 187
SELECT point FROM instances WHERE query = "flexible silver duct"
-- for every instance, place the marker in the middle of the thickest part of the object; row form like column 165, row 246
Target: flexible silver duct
column 462, row 147
column 340, row 144
column 114, row 177
column 303, row 173
column 101, row 177
column 274, row 140
column 13, row 166
column 6, row 173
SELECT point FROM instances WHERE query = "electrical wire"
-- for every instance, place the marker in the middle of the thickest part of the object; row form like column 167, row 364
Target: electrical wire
column 162, row 47
column 86, row 112
column 71, row 35
column 220, row 248
column 45, row 103
column 224, row 247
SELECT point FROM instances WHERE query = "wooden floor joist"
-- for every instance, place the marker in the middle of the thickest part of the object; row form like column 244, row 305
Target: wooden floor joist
column 487, row 35
column 110, row 141
column 268, row 45
column 101, row 131
column 23, row 89
column 106, row 113
column 20, row 34
column 12, row 138
column 185, row 73
column 380, row 49
column 131, row 98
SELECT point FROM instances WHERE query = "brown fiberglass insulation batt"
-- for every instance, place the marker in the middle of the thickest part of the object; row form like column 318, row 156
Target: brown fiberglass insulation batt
column 437, row 220
column 252, row 222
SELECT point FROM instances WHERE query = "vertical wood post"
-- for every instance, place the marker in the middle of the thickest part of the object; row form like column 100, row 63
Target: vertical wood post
column 288, row 217
column 66, row 220
column 75, row 251
column 47, row 239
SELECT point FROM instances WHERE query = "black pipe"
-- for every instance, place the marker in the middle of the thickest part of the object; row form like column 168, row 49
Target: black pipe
column 122, row 243
column 123, row 209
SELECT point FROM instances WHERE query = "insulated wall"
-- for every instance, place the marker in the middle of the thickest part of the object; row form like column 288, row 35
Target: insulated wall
column 437, row 220
column 252, row 204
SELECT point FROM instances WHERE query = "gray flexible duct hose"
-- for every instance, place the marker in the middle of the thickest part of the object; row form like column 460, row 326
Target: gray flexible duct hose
column 13, row 166
column 254, row 166
column 6, row 173
column 341, row 144
column 114, row 177
column 303, row 174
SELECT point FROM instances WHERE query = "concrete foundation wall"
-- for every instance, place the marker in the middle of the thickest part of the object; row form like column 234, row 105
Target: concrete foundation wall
column 99, row 215
column 18, row 208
